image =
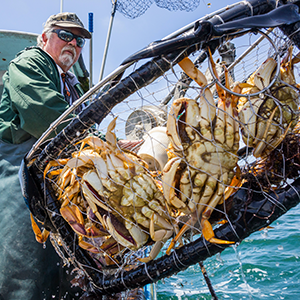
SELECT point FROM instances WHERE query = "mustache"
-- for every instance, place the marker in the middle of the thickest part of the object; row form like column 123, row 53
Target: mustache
column 69, row 48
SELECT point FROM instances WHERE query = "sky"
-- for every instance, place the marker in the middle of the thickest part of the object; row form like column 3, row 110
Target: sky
column 127, row 35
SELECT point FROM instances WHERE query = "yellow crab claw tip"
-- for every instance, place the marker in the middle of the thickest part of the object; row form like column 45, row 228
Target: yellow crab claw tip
column 43, row 238
column 235, row 184
column 218, row 241
column 209, row 235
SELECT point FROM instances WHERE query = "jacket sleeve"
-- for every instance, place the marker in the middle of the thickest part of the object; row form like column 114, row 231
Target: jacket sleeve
column 35, row 93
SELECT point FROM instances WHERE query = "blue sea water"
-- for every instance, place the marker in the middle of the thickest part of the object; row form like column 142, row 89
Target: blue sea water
column 266, row 265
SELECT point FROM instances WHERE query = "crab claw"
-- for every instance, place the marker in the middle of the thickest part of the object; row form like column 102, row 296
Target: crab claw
column 173, row 123
column 92, row 188
column 262, row 76
column 88, row 246
column 40, row 236
column 74, row 217
column 168, row 183
column 130, row 235
column 209, row 235
column 110, row 136
column 153, row 253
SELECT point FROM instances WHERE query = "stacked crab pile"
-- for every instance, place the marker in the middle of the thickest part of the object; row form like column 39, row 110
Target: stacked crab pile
column 114, row 204
column 109, row 198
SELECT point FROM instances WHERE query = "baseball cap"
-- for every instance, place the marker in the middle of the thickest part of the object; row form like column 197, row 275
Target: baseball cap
column 67, row 19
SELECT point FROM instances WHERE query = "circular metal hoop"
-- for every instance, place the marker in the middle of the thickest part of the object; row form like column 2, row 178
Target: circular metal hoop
column 105, row 280
column 276, row 53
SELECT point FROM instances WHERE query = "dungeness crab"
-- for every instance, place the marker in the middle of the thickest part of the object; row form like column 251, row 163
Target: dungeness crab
column 204, row 143
column 268, row 117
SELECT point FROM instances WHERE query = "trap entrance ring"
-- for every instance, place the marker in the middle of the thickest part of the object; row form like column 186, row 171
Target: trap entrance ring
column 276, row 55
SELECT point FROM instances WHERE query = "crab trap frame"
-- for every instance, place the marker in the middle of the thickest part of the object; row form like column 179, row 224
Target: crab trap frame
column 200, row 128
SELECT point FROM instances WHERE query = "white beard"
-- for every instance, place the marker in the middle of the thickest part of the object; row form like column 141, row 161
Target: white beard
column 66, row 58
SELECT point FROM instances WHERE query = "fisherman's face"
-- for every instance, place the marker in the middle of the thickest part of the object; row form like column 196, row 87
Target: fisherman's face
column 65, row 54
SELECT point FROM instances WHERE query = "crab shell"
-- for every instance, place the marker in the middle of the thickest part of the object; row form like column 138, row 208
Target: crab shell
column 267, row 118
column 191, row 177
column 204, row 140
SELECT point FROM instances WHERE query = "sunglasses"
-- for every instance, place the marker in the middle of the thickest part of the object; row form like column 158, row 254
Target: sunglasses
column 69, row 36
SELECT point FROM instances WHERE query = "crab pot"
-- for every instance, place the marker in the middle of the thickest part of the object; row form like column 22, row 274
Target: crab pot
column 153, row 151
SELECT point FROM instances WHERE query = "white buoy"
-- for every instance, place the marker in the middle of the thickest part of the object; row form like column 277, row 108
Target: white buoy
column 153, row 151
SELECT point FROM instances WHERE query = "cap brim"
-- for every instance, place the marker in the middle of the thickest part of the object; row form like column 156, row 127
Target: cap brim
column 85, row 33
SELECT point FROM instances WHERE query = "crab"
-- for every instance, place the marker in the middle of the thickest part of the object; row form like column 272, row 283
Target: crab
column 108, row 194
column 204, row 143
column 266, row 119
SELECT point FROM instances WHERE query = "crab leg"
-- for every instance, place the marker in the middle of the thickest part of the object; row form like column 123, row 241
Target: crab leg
column 160, row 237
column 70, row 192
column 54, row 163
column 168, row 183
column 248, row 116
column 275, row 143
column 94, row 142
column 207, row 230
column 236, row 182
column 155, row 219
column 40, row 236
column 261, row 145
column 231, row 132
column 88, row 246
column 206, row 106
column 153, row 253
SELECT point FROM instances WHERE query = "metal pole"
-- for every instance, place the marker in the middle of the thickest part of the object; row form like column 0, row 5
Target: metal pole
column 108, row 38
column 208, row 282
column 91, row 47
column 61, row 5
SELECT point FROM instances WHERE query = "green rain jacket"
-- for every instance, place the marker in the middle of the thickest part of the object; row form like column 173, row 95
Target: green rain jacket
column 31, row 101
column 31, row 98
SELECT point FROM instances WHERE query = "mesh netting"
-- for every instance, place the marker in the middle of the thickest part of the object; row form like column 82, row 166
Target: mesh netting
column 192, row 141
column 134, row 9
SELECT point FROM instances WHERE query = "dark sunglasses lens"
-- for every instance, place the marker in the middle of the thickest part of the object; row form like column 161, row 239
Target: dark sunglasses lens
column 65, row 36
column 80, row 42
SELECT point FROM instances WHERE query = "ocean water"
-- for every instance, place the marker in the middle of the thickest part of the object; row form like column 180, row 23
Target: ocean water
column 266, row 265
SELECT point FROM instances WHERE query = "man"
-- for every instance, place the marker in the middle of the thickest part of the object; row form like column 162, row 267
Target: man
column 34, row 95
